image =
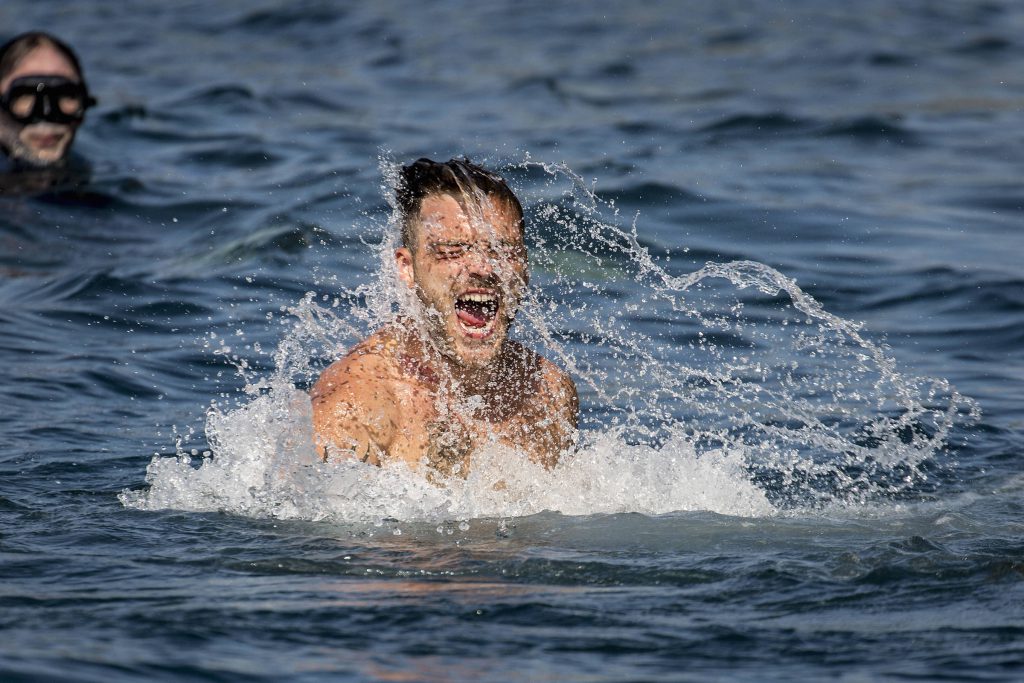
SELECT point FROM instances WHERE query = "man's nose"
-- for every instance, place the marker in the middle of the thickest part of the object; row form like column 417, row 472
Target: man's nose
column 480, row 262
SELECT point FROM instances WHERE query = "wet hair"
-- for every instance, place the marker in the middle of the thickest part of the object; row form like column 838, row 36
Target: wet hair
column 460, row 178
column 15, row 49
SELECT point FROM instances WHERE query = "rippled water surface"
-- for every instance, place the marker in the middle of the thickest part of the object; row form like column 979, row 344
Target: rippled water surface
column 799, row 462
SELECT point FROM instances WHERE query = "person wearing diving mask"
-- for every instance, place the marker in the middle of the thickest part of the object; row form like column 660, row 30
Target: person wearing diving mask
column 43, row 100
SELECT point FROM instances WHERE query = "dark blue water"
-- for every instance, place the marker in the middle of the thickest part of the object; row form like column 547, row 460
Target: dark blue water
column 758, row 496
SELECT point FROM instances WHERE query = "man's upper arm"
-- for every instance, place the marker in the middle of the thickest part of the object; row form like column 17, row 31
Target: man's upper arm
column 352, row 411
column 564, row 397
column 563, row 408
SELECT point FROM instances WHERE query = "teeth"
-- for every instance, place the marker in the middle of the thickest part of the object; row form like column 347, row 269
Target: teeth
column 479, row 298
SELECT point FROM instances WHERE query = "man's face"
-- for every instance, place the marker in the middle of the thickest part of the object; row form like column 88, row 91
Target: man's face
column 42, row 142
column 469, row 269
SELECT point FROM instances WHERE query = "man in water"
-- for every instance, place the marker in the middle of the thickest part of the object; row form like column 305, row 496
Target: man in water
column 444, row 379
column 43, row 98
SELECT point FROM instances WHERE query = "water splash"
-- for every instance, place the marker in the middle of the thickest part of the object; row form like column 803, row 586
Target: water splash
column 727, row 389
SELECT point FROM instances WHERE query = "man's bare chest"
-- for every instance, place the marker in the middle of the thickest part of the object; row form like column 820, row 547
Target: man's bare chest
column 443, row 431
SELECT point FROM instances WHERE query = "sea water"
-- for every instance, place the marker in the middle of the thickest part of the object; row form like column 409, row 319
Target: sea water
column 775, row 244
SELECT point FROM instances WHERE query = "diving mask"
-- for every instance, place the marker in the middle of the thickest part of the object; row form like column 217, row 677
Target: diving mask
column 55, row 99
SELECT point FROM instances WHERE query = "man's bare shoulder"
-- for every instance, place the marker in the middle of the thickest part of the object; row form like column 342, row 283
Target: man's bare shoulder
column 549, row 373
column 562, row 390
column 371, row 362
column 353, row 400
column 550, row 405
column 552, row 384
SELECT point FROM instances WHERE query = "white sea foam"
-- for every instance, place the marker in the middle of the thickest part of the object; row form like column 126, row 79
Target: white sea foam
column 263, row 464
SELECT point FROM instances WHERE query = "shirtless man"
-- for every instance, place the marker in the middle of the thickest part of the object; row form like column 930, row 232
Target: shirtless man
column 444, row 380
column 43, row 99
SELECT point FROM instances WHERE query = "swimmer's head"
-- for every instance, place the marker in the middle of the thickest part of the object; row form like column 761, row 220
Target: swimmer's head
column 43, row 98
column 461, row 179
column 463, row 255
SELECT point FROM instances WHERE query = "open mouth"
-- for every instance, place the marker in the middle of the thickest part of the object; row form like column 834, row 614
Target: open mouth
column 476, row 312
column 46, row 145
column 45, row 137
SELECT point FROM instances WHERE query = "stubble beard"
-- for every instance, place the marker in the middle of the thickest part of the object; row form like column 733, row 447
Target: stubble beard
column 22, row 150
column 436, row 329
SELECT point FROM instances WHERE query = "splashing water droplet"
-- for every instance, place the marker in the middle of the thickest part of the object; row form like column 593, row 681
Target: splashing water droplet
column 726, row 389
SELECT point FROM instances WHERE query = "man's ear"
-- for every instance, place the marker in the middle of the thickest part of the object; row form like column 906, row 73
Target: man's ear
column 403, row 259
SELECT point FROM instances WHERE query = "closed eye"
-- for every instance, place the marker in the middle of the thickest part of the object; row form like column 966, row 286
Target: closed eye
column 503, row 251
column 449, row 250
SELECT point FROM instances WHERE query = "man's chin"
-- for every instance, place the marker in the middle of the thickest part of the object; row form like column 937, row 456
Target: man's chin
column 52, row 148
column 41, row 158
column 464, row 347
column 473, row 353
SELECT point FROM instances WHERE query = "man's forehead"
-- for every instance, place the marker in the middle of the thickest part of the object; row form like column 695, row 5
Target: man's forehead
column 441, row 213
column 44, row 60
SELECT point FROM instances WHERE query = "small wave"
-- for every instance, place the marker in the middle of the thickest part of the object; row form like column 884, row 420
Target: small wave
column 127, row 112
column 617, row 69
column 778, row 125
column 230, row 155
column 952, row 289
column 1006, row 200
column 871, row 128
column 544, row 82
column 758, row 124
column 890, row 59
column 294, row 14
column 218, row 95
column 984, row 46
column 272, row 241
column 648, row 194
column 731, row 38
column 76, row 287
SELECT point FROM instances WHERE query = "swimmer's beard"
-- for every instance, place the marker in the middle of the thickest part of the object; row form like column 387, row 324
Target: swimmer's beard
column 15, row 139
column 467, row 366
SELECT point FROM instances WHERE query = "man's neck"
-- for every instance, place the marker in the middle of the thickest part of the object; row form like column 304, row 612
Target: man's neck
column 476, row 380
column 452, row 377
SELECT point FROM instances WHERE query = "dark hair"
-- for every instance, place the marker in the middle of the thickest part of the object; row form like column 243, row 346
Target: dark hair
column 17, row 47
column 460, row 178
